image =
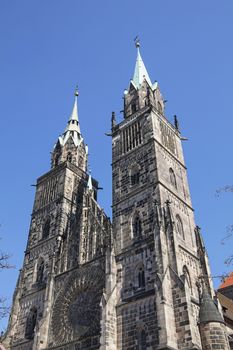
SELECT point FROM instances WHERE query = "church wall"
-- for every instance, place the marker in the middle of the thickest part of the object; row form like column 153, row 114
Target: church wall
column 84, row 287
column 186, row 317
column 213, row 336
column 76, row 308
column 133, row 319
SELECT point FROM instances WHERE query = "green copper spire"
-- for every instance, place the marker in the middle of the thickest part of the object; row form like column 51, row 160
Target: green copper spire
column 140, row 72
column 208, row 310
column 73, row 123
column 73, row 128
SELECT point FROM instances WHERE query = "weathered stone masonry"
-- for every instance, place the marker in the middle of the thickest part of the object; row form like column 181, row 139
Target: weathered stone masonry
column 141, row 283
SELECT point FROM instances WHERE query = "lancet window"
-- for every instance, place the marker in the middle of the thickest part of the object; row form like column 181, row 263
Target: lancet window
column 46, row 228
column 187, row 277
column 134, row 175
column 40, row 271
column 142, row 340
column 179, row 226
column 134, row 106
column 141, row 278
column 172, row 177
column 31, row 323
column 137, row 227
column 69, row 157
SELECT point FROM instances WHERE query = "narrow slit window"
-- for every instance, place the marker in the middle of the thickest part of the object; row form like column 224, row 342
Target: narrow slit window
column 141, row 278
column 142, row 340
column 137, row 228
column 46, row 228
column 172, row 178
column 179, row 227
column 69, row 157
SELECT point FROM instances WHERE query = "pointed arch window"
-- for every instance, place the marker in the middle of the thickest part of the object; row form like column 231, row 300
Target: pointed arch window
column 187, row 277
column 69, row 157
column 134, row 175
column 141, row 278
column 179, row 226
column 31, row 323
column 40, row 271
column 134, row 106
column 46, row 229
column 142, row 340
column 137, row 227
column 172, row 177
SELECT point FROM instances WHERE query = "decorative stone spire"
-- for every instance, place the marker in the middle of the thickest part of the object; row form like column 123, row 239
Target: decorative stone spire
column 73, row 123
column 212, row 327
column 89, row 183
column 73, row 127
column 140, row 72
column 208, row 310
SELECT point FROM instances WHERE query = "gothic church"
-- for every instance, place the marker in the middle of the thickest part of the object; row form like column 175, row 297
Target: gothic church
column 138, row 283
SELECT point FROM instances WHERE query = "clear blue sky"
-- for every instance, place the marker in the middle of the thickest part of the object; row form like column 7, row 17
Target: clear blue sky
column 47, row 47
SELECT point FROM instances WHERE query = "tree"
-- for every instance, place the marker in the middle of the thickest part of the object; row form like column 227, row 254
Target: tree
column 229, row 229
column 4, row 264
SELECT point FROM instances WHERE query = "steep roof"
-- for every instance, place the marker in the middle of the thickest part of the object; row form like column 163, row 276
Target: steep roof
column 73, row 127
column 227, row 305
column 208, row 310
column 228, row 282
column 140, row 72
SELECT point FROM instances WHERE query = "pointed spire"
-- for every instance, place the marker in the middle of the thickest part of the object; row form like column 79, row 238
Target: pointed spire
column 208, row 310
column 73, row 123
column 89, row 183
column 140, row 72
column 73, row 127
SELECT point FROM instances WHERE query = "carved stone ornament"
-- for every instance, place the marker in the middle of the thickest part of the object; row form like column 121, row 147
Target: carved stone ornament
column 76, row 312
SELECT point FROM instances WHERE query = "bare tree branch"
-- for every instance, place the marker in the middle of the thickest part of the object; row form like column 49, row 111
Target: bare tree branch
column 229, row 260
column 229, row 229
column 4, row 264
column 4, row 309
column 227, row 188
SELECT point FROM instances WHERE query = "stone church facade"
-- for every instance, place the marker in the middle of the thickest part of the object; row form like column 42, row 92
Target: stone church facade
column 141, row 282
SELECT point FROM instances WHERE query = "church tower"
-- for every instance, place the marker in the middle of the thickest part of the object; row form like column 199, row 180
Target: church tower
column 159, row 252
column 59, row 291
column 142, row 283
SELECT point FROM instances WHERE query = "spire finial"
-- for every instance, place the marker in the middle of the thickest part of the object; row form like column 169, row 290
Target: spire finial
column 73, row 122
column 137, row 42
column 140, row 72
column 89, row 182
column 76, row 93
